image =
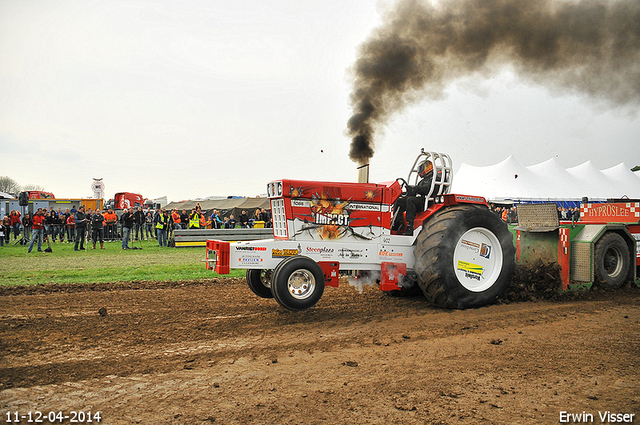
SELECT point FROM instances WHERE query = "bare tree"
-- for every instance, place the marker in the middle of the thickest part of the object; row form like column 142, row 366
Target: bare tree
column 9, row 185
column 32, row 187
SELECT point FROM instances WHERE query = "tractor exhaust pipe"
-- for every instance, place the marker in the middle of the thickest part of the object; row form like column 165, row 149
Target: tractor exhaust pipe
column 363, row 173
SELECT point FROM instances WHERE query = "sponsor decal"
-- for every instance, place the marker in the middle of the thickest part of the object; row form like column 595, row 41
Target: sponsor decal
column 384, row 253
column 335, row 219
column 330, row 215
column 350, row 253
column 471, row 271
column 608, row 210
column 300, row 203
column 485, row 251
column 251, row 248
column 365, row 207
column 470, row 199
column 470, row 246
column 281, row 253
column 323, row 250
column 250, row 259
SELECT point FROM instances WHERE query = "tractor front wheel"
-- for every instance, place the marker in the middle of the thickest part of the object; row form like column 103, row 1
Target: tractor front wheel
column 297, row 283
column 259, row 281
column 464, row 257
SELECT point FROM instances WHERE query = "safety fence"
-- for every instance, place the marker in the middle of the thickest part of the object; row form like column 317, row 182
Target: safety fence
column 198, row 237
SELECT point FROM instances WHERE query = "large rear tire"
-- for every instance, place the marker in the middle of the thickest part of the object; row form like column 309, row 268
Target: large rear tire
column 297, row 283
column 612, row 260
column 464, row 257
column 259, row 281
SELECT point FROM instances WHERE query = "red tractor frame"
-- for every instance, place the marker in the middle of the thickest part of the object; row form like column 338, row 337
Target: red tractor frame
column 460, row 254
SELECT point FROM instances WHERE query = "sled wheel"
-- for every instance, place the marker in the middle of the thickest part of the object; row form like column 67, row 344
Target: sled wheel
column 611, row 260
column 297, row 283
column 259, row 281
column 464, row 257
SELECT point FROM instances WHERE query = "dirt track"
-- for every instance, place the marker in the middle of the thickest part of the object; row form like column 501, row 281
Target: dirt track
column 213, row 352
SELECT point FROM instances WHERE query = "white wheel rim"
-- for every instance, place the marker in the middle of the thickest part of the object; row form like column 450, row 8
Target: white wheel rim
column 477, row 259
column 301, row 284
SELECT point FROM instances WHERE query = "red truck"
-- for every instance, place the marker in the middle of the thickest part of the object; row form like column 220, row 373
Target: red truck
column 39, row 194
column 124, row 200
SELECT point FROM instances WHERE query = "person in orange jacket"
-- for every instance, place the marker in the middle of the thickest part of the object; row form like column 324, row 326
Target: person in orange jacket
column 110, row 222
column 175, row 218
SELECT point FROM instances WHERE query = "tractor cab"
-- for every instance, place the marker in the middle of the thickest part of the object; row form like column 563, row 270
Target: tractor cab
column 440, row 169
column 442, row 172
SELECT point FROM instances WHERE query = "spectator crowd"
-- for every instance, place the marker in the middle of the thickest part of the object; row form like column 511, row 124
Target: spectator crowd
column 78, row 226
column 510, row 214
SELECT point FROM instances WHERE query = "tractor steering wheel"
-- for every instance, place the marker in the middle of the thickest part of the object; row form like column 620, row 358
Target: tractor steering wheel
column 403, row 185
column 397, row 222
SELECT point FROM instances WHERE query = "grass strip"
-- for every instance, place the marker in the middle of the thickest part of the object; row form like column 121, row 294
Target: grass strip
column 112, row 264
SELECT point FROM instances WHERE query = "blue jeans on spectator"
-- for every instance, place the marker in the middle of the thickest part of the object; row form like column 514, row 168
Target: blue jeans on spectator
column 126, row 232
column 80, row 231
column 162, row 237
column 37, row 234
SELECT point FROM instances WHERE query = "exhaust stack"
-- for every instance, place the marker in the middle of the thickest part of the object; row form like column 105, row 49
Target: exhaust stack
column 363, row 173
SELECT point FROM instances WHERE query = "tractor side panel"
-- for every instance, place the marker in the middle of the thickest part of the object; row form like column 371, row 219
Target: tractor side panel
column 318, row 211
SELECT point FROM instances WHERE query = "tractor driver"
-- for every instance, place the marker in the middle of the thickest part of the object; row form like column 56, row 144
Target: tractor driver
column 414, row 200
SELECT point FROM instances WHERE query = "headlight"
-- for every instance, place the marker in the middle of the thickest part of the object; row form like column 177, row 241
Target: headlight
column 274, row 189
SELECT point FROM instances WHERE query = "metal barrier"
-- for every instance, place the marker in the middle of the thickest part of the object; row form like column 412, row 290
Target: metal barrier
column 198, row 237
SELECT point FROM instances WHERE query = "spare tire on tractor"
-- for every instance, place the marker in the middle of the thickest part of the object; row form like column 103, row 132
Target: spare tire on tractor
column 464, row 257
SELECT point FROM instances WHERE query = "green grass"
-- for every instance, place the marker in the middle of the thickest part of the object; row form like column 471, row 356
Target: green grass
column 112, row 264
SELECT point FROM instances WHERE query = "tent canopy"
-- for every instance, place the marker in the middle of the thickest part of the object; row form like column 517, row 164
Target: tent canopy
column 546, row 181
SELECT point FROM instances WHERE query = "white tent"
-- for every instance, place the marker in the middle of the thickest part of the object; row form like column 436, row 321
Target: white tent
column 546, row 181
column 562, row 184
column 597, row 184
column 498, row 181
column 624, row 179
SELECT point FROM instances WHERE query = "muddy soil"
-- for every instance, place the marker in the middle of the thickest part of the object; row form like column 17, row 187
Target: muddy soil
column 212, row 352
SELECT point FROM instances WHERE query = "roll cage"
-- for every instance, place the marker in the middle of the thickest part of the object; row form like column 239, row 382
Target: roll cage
column 442, row 172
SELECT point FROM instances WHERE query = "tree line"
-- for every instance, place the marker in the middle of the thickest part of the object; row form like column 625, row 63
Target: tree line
column 9, row 185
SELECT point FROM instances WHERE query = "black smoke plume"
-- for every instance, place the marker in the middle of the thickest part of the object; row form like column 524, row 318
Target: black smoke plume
column 589, row 46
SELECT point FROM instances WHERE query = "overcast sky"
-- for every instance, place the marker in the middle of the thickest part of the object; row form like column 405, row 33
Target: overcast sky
column 189, row 99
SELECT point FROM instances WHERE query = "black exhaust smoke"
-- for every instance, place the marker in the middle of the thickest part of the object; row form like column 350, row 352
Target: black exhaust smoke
column 588, row 46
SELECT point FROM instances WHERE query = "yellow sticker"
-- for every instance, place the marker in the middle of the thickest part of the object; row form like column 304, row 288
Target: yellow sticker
column 470, row 267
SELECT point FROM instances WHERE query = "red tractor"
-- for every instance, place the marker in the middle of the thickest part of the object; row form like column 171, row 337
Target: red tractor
column 457, row 252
